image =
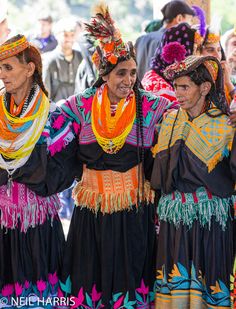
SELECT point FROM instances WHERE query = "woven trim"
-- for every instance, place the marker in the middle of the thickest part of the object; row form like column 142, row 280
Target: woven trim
column 108, row 203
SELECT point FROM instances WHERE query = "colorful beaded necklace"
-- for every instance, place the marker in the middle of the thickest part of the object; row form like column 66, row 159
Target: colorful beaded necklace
column 111, row 131
column 18, row 135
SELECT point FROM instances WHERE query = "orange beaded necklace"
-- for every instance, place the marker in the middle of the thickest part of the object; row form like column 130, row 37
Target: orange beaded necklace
column 111, row 131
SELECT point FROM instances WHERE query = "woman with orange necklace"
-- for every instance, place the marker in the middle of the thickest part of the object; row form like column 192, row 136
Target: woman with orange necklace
column 31, row 235
column 109, row 260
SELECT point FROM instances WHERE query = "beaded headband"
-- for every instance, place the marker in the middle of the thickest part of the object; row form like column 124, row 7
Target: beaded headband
column 14, row 48
column 213, row 38
column 110, row 44
column 190, row 64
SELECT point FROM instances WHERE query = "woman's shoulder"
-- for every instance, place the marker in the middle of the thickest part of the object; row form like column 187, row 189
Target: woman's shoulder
column 157, row 101
column 87, row 93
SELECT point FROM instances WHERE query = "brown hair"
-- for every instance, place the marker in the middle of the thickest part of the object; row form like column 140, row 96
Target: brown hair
column 30, row 54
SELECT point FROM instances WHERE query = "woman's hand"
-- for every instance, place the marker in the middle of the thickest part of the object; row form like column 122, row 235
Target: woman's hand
column 232, row 119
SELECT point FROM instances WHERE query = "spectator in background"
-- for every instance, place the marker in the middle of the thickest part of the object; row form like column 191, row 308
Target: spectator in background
column 211, row 46
column 229, row 41
column 85, row 45
column 61, row 65
column 232, row 66
column 153, row 25
column 229, row 44
column 174, row 12
column 44, row 39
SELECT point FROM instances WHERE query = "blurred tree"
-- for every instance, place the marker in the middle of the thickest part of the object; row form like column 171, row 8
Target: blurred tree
column 129, row 14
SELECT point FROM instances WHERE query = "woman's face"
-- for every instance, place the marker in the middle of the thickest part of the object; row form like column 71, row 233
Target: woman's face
column 15, row 75
column 212, row 49
column 190, row 96
column 121, row 80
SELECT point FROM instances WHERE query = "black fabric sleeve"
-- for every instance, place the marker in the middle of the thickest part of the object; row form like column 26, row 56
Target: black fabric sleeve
column 47, row 175
column 3, row 177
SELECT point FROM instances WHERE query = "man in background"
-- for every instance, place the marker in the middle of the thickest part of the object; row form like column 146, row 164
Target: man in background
column 174, row 13
column 61, row 65
column 44, row 39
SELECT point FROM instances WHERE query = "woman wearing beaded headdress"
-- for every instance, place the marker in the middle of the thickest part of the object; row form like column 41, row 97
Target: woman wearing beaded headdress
column 195, row 169
column 109, row 260
column 31, row 234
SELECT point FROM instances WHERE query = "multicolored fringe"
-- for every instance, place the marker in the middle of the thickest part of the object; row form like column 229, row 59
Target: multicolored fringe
column 185, row 289
column 59, row 131
column 201, row 205
column 144, row 297
column 110, row 202
column 110, row 191
column 25, row 208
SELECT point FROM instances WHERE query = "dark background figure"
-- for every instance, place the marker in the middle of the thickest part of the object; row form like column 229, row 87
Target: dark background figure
column 62, row 64
column 174, row 12
column 44, row 38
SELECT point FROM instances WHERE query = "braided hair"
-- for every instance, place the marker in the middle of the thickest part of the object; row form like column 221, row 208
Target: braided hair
column 140, row 138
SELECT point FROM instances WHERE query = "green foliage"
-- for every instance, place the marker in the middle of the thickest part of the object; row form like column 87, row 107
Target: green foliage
column 129, row 15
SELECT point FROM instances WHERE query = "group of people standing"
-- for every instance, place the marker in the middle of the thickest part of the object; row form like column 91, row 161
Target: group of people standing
column 136, row 155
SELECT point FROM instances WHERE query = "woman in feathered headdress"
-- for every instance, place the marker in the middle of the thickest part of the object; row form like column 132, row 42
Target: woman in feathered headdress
column 109, row 261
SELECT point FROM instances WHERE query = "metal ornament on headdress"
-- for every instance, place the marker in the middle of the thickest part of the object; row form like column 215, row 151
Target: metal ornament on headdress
column 14, row 48
column 111, row 46
column 189, row 64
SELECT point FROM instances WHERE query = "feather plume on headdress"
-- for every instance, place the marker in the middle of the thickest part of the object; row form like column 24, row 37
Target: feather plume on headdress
column 111, row 47
column 202, row 19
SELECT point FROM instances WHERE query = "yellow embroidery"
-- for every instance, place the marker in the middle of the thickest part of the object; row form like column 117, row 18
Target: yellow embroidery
column 208, row 138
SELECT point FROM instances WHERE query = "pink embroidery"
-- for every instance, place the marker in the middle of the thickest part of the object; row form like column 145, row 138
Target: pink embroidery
column 41, row 285
column 118, row 303
column 143, row 289
column 59, row 144
column 18, row 289
column 95, row 295
column 146, row 106
column 25, row 208
column 87, row 104
column 58, row 123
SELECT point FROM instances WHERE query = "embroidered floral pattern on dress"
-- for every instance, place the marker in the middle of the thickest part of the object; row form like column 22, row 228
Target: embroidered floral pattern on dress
column 144, row 298
column 183, row 287
column 30, row 295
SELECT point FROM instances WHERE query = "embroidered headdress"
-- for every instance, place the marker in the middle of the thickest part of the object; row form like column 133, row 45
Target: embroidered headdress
column 190, row 63
column 19, row 45
column 14, row 48
column 111, row 49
